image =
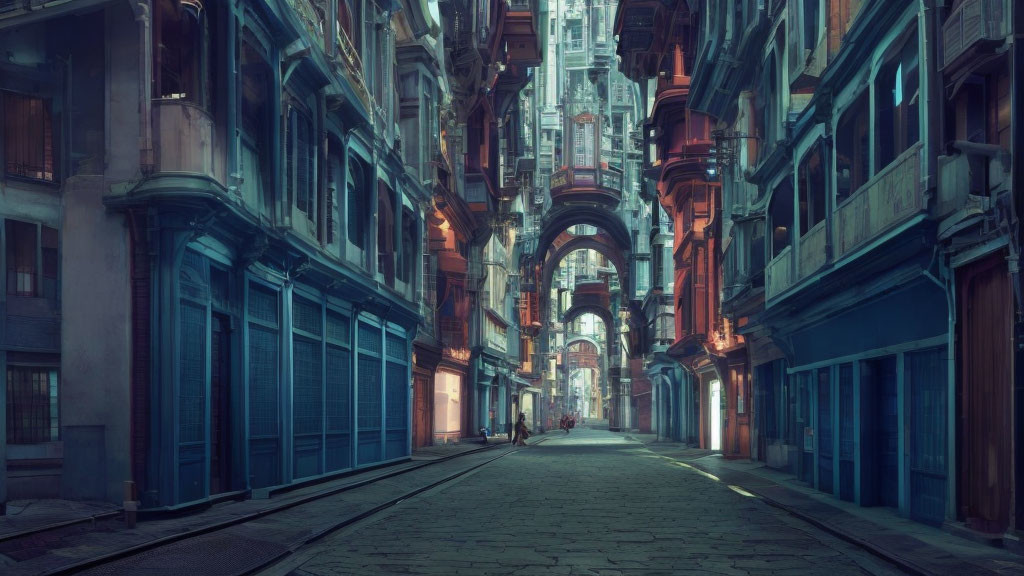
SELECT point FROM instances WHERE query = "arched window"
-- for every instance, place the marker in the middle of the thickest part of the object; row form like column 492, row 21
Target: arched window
column 386, row 232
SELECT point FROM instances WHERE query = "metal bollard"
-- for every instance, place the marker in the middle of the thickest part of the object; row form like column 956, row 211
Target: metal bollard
column 131, row 504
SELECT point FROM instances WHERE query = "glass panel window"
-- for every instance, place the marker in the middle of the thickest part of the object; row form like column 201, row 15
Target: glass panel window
column 181, row 51
column 897, row 96
column 355, row 203
column 301, row 168
column 583, row 144
column 28, row 137
column 574, row 37
column 22, row 258
column 33, row 407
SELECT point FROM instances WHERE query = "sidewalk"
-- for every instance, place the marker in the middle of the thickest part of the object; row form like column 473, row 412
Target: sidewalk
column 22, row 515
column 914, row 547
column 32, row 514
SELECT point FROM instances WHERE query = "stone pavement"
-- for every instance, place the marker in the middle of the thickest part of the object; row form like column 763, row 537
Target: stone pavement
column 595, row 503
column 57, row 548
column 24, row 515
column 32, row 514
column 915, row 547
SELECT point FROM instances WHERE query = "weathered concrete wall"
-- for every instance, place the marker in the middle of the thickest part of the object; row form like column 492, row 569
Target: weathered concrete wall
column 96, row 332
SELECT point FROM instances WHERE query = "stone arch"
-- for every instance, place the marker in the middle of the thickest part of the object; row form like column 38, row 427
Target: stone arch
column 600, row 243
column 558, row 220
column 581, row 338
column 603, row 313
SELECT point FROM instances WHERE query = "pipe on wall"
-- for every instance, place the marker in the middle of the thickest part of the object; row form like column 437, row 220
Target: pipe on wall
column 143, row 10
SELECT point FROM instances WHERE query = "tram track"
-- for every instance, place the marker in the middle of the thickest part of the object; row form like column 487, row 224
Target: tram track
column 176, row 546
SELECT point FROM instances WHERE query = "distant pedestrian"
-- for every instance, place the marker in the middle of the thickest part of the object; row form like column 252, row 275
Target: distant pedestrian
column 521, row 431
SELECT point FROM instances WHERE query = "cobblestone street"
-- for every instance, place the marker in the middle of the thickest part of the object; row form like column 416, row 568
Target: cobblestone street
column 587, row 503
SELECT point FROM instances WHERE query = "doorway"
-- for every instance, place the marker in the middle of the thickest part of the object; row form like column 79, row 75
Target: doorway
column 824, row 435
column 715, row 408
column 220, row 404
column 879, row 433
column 984, row 441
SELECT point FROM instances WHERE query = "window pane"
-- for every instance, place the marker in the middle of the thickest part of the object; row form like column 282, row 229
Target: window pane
column 28, row 137
column 32, row 405
column 22, row 273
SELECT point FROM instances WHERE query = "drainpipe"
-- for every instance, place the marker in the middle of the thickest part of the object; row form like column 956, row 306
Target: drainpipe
column 934, row 15
column 143, row 11
column 231, row 109
column 951, row 466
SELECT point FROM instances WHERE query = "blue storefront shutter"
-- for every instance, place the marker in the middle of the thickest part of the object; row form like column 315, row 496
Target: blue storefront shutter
column 339, row 407
column 370, row 394
column 925, row 373
column 307, row 407
column 264, row 396
column 307, row 388
column 824, row 432
column 846, row 433
column 192, row 404
column 397, row 410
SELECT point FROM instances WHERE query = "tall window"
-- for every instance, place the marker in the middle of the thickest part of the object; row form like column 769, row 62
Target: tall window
column 355, row 203
column 897, row 100
column 386, row 232
column 181, row 51
column 852, row 149
column 780, row 218
column 574, row 36
column 767, row 101
column 407, row 264
column 32, row 259
column 811, row 188
column 301, row 163
column 28, row 137
column 810, row 24
column 33, row 407
column 255, row 129
column 583, row 143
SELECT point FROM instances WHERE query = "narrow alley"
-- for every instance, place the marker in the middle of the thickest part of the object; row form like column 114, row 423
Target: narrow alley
column 590, row 502
column 286, row 281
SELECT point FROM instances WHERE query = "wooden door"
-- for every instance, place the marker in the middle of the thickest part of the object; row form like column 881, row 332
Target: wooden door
column 423, row 411
column 984, row 421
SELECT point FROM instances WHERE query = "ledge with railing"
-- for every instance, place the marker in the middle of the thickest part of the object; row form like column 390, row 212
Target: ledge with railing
column 890, row 199
column 971, row 180
column 586, row 184
column 184, row 140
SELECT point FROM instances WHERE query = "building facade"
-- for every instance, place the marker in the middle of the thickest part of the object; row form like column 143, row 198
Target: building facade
column 225, row 225
column 870, row 242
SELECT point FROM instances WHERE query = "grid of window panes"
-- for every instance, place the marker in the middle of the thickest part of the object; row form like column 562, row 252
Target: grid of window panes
column 33, row 409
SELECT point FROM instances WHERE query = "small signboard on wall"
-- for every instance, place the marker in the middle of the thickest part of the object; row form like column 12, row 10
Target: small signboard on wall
column 808, row 439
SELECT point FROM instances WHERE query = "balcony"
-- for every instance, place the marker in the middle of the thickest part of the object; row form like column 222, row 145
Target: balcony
column 813, row 250
column 887, row 200
column 309, row 13
column 350, row 65
column 602, row 54
column 970, row 184
column 451, row 262
column 184, row 140
column 890, row 199
column 974, row 26
column 778, row 275
column 642, row 27
column 601, row 186
column 520, row 33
